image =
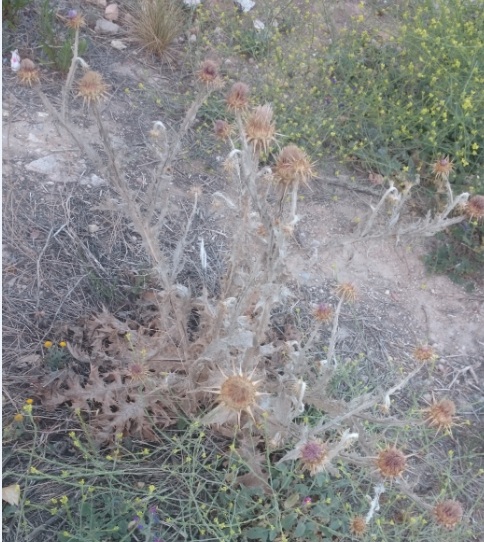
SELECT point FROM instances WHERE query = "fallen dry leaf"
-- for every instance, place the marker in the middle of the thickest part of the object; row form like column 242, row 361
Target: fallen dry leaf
column 11, row 494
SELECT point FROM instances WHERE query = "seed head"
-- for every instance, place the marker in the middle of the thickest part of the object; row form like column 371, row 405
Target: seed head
column 237, row 393
column 391, row 462
column 222, row 129
column 323, row 312
column 28, row 73
column 238, row 97
column 293, row 166
column 313, row 455
column 208, row 74
column 358, row 525
column 347, row 291
column 441, row 414
column 443, row 167
column 18, row 418
column 259, row 128
column 474, row 207
column 424, row 352
column 92, row 87
column 448, row 513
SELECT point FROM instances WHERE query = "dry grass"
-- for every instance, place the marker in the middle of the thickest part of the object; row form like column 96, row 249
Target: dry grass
column 156, row 24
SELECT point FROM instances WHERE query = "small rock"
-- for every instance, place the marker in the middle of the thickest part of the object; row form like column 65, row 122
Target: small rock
column 97, row 181
column 259, row 25
column 192, row 38
column 106, row 27
column 93, row 228
column 47, row 165
column 111, row 13
column 245, row 5
column 118, row 44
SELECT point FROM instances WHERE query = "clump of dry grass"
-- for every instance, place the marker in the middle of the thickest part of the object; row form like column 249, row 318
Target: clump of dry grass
column 156, row 23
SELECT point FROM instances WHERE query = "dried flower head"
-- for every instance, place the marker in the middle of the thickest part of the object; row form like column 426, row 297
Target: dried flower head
column 92, row 87
column 18, row 418
column 441, row 414
column 347, row 291
column 138, row 372
column 237, row 394
column 222, row 129
column 259, row 128
column 238, row 97
column 293, row 166
column 75, row 20
column 358, row 525
column 448, row 513
column 313, row 455
column 474, row 207
column 443, row 167
column 391, row 462
column 424, row 352
column 208, row 74
column 323, row 312
column 28, row 74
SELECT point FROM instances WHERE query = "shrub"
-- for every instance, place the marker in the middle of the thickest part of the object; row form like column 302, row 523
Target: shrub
column 404, row 96
column 10, row 10
column 156, row 23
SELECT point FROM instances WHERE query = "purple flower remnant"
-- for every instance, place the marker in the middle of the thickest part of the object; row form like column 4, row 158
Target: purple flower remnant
column 72, row 14
column 307, row 501
column 137, row 523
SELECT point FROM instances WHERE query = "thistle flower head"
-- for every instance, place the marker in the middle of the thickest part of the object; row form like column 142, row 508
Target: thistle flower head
column 293, row 166
column 313, row 455
column 137, row 372
column 448, row 513
column 323, row 312
column 391, row 462
column 358, row 525
column 237, row 394
column 92, row 87
column 208, row 74
column 441, row 414
column 443, row 167
column 28, row 74
column 222, row 129
column 75, row 20
column 259, row 128
column 238, row 97
column 424, row 352
column 474, row 207
column 347, row 291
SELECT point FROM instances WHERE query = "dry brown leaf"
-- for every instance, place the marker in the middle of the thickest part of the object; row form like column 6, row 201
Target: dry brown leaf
column 11, row 494
column 77, row 353
column 376, row 178
column 30, row 360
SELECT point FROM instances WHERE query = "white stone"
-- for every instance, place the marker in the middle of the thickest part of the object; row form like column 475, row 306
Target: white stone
column 245, row 5
column 118, row 44
column 47, row 165
column 106, row 27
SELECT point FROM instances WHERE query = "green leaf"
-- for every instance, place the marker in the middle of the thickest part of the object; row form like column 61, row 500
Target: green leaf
column 257, row 533
column 289, row 521
column 300, row 529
